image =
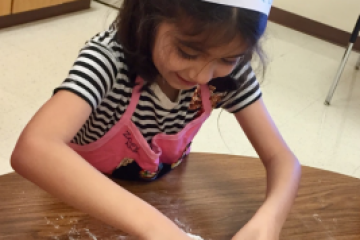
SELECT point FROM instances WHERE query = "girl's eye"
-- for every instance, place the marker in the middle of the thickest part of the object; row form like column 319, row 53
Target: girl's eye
column 186, row 55
column 232, row 61
column 229, row 62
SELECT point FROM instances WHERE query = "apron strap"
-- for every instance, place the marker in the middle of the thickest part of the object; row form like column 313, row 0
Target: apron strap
column 205, row 98
column 134, row 99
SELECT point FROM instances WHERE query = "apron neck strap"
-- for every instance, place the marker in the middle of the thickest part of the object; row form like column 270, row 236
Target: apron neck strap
column 136, row 92
column 205, row 97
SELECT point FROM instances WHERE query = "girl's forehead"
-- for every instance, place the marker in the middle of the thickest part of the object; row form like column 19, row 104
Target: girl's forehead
column 207, row 45
column 206, row 40
column 236, row 46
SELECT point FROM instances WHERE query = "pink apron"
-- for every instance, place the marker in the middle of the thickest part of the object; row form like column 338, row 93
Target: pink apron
column 124, row 153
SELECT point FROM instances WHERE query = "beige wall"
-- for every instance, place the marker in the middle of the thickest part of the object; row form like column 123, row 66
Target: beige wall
column 340, row 14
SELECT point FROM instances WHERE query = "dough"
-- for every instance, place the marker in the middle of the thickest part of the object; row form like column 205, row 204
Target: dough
column 195, row 237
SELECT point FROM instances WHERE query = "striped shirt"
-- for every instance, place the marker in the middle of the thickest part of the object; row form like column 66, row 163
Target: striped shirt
column 100, row 77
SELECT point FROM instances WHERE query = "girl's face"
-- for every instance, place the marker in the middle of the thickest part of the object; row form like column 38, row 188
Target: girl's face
column 184, row 66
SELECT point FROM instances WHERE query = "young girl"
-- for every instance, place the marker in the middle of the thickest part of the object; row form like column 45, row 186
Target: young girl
column 134, row 100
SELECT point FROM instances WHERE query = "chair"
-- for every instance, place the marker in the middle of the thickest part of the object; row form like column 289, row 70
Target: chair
column 345, row 58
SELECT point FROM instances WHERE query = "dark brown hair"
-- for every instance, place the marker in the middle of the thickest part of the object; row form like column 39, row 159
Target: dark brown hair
column 217, row 24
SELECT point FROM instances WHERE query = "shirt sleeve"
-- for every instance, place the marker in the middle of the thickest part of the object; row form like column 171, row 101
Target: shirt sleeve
column 93, row 73
column 247, row 92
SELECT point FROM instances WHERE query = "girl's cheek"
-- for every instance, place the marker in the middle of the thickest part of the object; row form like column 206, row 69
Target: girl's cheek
column 174, row 62
column 221, row 70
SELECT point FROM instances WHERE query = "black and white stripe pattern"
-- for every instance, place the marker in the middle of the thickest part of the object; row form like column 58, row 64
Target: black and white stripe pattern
column 100, row 77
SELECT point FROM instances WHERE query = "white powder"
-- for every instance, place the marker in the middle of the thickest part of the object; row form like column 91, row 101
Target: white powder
column 195, row 237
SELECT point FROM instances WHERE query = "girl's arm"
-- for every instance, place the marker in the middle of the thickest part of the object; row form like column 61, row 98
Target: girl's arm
column 282, row 168
column 43, row 156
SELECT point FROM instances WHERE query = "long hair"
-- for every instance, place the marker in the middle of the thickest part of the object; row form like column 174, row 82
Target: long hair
column 216, row 25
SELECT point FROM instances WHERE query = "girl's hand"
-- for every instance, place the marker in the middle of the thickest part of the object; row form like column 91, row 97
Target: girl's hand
column 259, row 229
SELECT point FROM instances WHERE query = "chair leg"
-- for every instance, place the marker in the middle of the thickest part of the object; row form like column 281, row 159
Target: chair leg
column 338, row 74
column 358, row 64
column 352, row 41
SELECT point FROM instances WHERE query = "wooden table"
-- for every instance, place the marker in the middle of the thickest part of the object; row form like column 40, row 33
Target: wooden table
column 208, row 195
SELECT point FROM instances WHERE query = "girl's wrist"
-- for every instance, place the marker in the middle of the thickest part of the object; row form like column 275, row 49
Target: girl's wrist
column 270, row 216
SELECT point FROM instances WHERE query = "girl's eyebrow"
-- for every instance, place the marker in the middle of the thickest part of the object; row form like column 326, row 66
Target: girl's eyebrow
column 192, row 45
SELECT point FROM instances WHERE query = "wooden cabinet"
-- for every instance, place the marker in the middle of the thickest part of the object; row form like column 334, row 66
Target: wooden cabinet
column 5, row 7
column 15, row 12
column 28, row 5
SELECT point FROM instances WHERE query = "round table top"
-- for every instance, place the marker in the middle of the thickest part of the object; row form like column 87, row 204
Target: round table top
column 209, row 195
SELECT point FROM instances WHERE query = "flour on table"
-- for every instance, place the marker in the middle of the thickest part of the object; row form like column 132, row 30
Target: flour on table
column 195, row 237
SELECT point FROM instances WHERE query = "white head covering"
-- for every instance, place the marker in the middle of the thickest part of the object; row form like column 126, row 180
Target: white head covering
column 262, row 6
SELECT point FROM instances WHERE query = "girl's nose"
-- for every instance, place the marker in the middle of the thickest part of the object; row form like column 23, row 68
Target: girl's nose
column 202, row 74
